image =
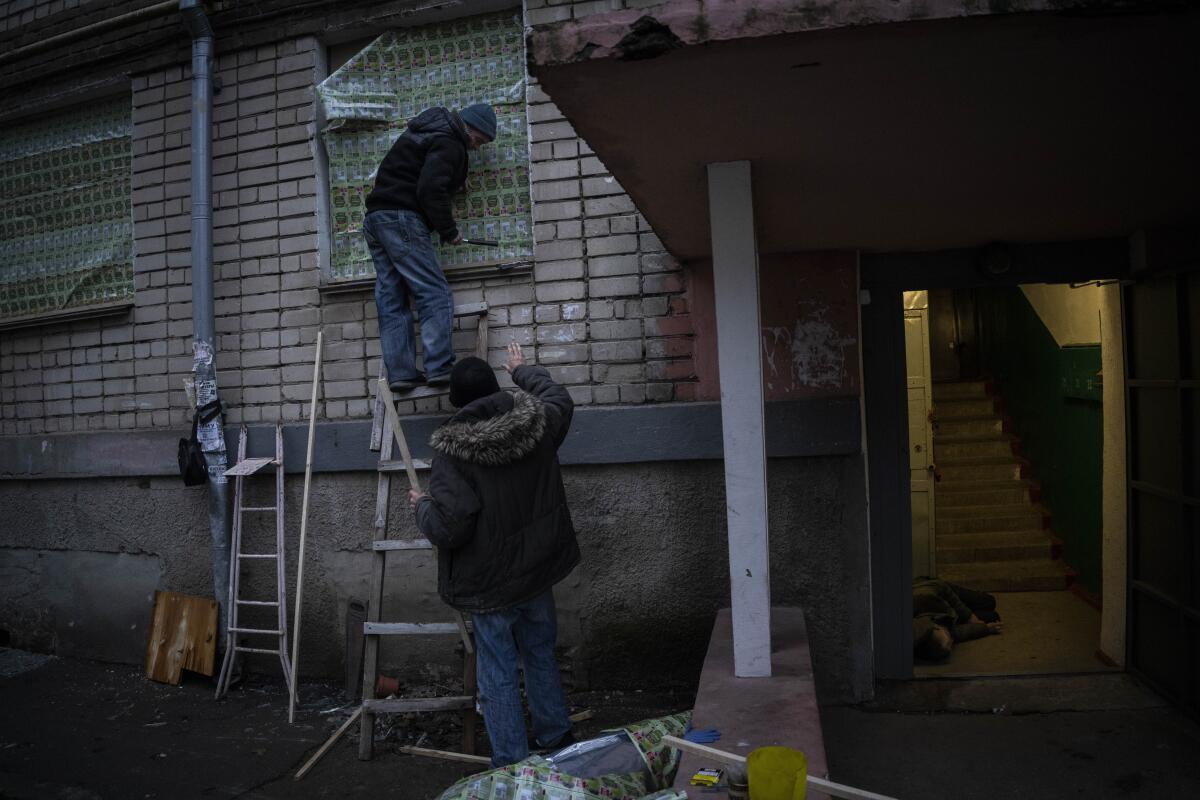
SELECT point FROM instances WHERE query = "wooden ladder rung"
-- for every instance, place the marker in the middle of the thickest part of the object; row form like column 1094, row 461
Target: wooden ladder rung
column 394, row 465
column 249, row 466
column 410, row 628
column 420, row 392
column 470, row 310
column 401, row 544
column 255, row 631
column 400, row 705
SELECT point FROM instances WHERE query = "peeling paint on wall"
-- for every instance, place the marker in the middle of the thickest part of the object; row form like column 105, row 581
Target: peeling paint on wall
column 811, row 353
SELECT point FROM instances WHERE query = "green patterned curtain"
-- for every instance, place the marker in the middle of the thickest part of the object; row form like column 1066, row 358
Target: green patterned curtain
column 368, row 101
column 66, row 224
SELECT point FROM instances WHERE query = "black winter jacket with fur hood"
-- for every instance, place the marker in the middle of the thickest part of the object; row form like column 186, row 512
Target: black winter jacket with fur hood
column 496, row 507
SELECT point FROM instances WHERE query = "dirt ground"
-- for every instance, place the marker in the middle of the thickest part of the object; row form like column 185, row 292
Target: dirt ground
column 82, row 730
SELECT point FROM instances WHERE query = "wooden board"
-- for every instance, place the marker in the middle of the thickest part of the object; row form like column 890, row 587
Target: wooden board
column 183, row 636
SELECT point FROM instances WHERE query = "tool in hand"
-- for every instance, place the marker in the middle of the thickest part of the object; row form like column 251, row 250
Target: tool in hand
column 481, row 242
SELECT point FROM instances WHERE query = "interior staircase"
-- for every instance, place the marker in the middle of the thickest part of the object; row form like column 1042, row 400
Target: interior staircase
column 992, row 534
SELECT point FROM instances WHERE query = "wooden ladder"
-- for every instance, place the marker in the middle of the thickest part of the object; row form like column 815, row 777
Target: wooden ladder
column 244, row 468
column 386, row 432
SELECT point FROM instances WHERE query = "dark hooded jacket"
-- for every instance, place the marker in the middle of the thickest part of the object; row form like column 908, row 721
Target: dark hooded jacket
column 496, row 507
column 423, row 170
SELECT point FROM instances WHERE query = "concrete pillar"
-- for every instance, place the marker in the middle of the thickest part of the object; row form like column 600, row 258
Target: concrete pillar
column 739, row 355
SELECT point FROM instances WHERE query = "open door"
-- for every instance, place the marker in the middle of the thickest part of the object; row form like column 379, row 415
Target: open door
column 920, row 432
column 1162, row 326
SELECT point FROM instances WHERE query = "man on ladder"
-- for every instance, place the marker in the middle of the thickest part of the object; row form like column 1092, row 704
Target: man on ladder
column 497, row 511
column 413, row 190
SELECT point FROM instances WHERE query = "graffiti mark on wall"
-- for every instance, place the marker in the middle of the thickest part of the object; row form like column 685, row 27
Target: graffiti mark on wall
column 811, row 353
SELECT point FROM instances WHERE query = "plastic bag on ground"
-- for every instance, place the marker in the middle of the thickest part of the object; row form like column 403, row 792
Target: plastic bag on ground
column 629, row 763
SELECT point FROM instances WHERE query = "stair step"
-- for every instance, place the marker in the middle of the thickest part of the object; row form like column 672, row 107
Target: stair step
column 993, row 447
column 1031, row 518
column 976, row 469
column 973, row 438
column 960, row 389
column 956, row 408
column 1015, row 493
column 968, row 548
column 1032, row 575
column 969, row 426
column 991, row 511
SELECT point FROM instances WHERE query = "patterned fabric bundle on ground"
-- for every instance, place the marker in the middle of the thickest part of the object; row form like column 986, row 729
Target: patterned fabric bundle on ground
column 539, row 778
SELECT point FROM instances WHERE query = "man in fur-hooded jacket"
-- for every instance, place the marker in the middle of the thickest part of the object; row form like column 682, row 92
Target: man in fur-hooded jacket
column 497, row 511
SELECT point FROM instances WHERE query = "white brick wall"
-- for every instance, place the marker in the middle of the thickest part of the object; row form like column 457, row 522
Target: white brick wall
column 544, row 12
column 603, row 308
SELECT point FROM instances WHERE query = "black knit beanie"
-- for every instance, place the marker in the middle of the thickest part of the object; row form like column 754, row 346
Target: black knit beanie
column 470, row 380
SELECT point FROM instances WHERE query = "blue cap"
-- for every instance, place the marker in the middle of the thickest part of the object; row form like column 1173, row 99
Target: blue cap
column 482, row 118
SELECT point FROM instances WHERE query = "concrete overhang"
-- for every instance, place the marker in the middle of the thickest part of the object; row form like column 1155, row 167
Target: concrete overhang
column 869, row 130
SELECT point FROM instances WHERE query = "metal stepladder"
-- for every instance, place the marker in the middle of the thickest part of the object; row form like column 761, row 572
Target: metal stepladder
column 387, row 432
column 244, row 468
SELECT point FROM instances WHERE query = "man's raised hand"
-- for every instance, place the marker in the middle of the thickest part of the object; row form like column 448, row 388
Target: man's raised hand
column 516, row 358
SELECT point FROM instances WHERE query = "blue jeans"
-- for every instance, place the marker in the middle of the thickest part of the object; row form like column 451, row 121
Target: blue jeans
column 405, row 263
column 531, row 628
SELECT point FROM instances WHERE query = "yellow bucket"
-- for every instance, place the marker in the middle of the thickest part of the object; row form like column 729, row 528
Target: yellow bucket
column 777, row 773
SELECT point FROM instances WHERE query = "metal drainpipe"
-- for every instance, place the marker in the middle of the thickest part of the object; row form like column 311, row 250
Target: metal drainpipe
column 212, row 434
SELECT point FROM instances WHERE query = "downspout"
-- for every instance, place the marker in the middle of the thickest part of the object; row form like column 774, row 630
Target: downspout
column 211, row 434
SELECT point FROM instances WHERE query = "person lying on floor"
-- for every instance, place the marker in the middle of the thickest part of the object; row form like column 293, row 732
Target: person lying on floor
column 944, row 614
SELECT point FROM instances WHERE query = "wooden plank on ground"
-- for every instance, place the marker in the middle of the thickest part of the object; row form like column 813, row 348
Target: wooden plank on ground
column 183, row 636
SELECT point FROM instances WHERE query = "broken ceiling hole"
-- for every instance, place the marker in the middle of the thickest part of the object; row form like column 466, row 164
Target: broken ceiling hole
column 647, row 38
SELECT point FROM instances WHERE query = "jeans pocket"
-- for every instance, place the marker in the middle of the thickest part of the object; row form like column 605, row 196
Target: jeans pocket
column 418, row 231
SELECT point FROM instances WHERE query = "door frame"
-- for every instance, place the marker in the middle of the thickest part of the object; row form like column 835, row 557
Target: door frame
column 884, row 277
column 1171, row 257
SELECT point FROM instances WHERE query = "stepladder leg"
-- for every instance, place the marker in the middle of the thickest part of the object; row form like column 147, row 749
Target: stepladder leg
column 470, row 716
column 366, row 736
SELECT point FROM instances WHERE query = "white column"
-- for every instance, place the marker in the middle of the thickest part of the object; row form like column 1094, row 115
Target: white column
column 739, row 353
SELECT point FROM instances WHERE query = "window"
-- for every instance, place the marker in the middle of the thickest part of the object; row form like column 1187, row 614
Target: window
column 367, row 102
column 66, row 229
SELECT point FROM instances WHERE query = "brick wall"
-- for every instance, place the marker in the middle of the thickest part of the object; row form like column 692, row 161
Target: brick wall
column 611, row 309
column 542, row 12
column 604, row 307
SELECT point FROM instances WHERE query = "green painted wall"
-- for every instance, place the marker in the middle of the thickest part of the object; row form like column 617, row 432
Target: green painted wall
column 1053, row 396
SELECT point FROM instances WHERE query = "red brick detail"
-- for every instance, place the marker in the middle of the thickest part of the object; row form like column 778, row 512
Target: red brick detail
column 680, row 325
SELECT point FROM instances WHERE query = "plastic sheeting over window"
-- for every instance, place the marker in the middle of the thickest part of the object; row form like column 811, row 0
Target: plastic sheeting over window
column 66, row 225
column 368, row 101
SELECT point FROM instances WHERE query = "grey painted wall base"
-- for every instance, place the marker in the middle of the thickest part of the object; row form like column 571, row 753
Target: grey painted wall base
column 637, row 612
column 79, row 603
column 614, row 435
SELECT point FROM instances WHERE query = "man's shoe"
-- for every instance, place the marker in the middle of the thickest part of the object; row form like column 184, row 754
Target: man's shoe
column 405, row 385
column 566, row 741
column 439, row 380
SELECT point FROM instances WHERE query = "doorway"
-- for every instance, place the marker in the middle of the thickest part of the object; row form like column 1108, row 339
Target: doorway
column 996, row 487
column 1006, row 430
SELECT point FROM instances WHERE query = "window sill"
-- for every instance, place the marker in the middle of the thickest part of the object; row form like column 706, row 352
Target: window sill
column 70, row 315
column 487, row 269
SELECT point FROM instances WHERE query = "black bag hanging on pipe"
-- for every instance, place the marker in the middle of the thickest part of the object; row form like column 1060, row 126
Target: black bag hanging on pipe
column 192, row 466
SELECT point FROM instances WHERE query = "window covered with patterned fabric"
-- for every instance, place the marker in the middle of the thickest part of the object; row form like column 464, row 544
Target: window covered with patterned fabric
column 66, row 224
column 368, row 101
